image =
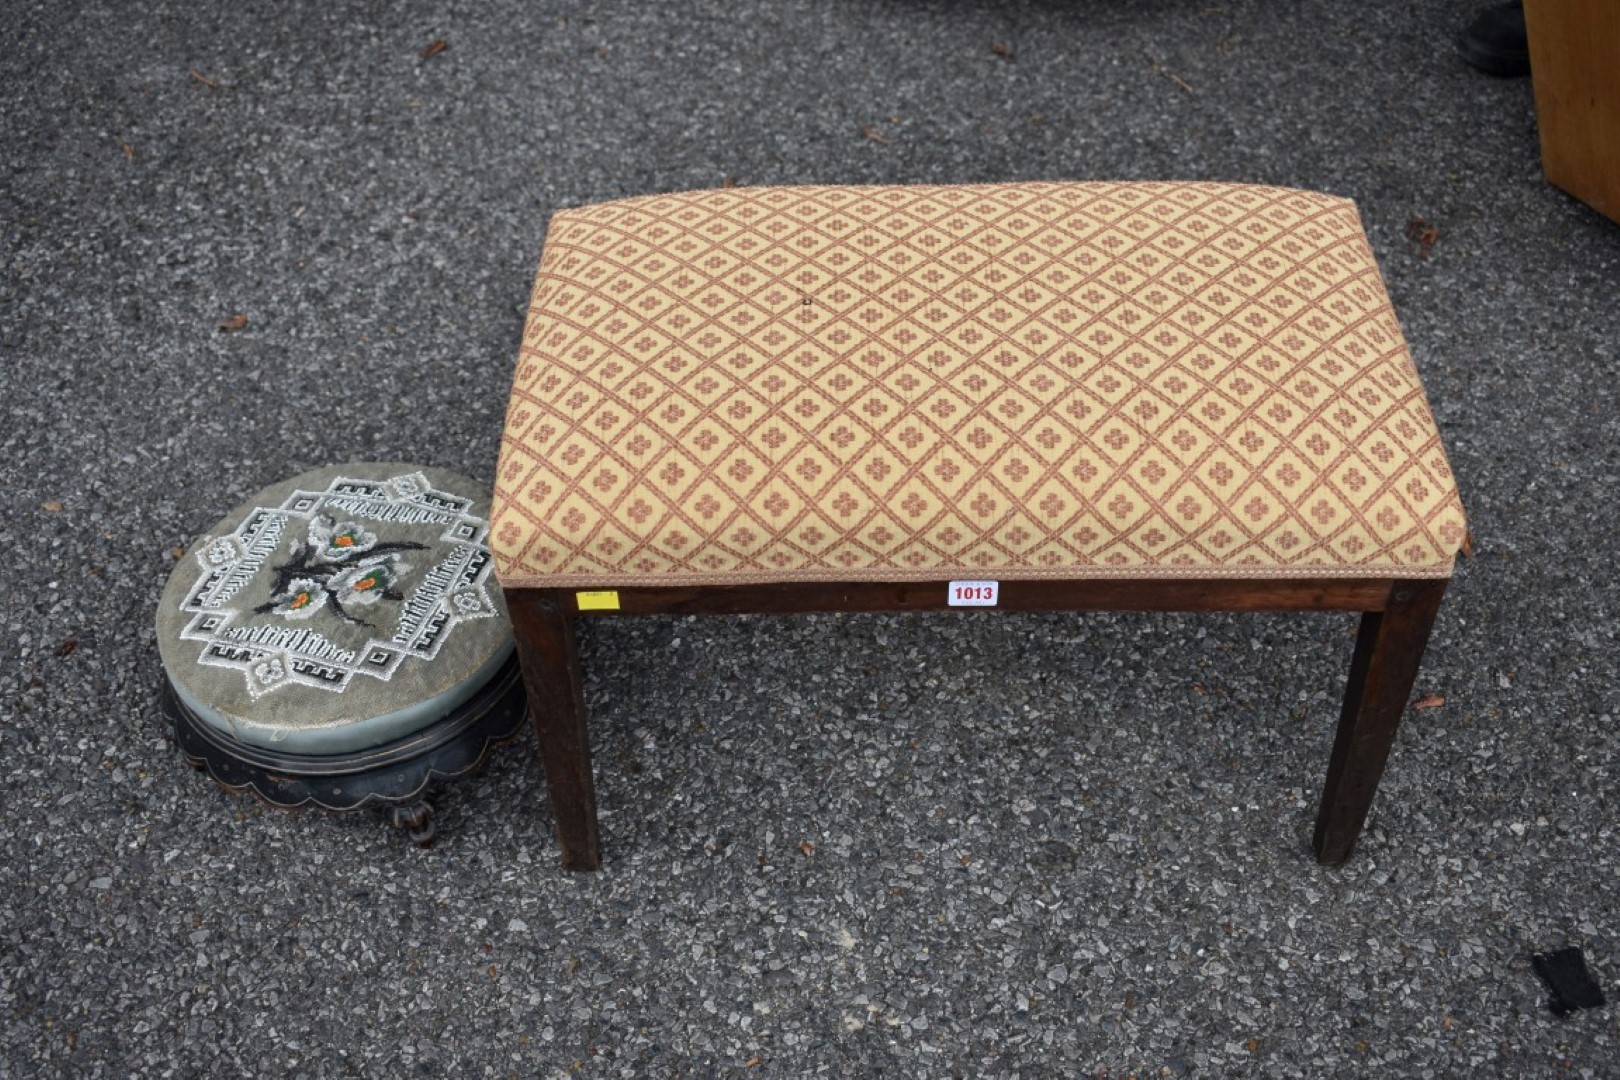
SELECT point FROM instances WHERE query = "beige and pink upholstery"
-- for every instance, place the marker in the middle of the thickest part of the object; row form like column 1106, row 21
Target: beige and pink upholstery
column 1036, row 380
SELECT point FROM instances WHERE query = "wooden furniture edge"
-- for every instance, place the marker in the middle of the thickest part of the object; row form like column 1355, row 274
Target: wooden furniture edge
column 1108, row 594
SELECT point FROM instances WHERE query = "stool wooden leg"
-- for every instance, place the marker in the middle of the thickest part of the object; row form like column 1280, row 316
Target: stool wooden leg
column 545, row 647
column 1389, row 647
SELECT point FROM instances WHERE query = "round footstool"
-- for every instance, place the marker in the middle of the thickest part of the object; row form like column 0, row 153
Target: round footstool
column 338, row 640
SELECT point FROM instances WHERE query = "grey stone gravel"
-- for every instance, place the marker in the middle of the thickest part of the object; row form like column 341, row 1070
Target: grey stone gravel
column 975, row 845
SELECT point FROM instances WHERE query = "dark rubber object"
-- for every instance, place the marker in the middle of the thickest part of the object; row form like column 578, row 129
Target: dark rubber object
column 1569, row 985
column 1496, row 43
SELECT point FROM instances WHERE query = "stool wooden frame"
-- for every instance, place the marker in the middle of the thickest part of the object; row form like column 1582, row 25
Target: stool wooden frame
column 1396, row 618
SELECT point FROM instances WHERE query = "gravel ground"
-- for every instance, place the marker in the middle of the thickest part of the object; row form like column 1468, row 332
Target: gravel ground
column 966, row 845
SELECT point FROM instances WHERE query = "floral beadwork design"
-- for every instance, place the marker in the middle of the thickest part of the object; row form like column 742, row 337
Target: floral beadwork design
column 335, row 542
column 340, row 564
column 303, row 598
column 340, row 589
column 222, row 551
column 373, row 580
column 270, row 672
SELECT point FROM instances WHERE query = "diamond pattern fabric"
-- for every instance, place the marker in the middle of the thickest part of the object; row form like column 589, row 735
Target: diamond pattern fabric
column 1068, row 380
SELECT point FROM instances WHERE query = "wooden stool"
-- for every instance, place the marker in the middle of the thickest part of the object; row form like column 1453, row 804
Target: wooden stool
column 1087, row 396
column 336, row 641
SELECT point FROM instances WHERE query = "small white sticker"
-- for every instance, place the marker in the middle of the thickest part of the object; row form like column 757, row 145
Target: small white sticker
column 972, row 593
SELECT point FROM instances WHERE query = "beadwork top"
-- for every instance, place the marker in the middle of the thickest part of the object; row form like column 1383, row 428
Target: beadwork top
column 337, row 611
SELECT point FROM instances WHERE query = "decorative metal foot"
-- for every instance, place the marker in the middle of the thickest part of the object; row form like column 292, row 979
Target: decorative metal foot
column 417, row 818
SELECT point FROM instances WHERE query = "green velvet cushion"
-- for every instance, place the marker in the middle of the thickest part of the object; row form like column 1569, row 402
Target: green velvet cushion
column 340, row 610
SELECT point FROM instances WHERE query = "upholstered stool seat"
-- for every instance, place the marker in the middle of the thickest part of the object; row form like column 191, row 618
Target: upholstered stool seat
column 1067, row 383
column 1076, row 380
column 338, row 640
